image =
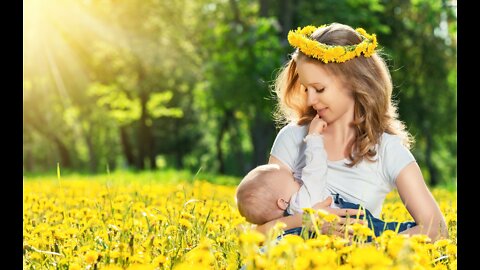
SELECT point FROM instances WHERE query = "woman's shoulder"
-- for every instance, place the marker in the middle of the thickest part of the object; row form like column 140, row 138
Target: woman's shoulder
column 388, row 138
column 390, row 142
column 294, row 129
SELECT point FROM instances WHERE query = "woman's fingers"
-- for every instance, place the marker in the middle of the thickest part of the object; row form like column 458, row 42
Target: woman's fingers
column 348, row 212
column 337, row 228
column 340, row 230
column 349, row 221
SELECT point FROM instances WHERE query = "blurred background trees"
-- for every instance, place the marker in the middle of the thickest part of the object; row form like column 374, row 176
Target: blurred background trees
column 187, row 84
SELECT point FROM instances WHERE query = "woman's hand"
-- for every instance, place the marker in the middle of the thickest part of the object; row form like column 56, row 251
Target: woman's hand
column 346, row 217
column 317, row 126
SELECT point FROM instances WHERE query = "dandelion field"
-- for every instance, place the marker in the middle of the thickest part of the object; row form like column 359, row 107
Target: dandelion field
column 110, row 223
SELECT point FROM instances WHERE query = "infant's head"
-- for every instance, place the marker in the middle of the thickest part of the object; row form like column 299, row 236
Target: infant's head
column 264, row 193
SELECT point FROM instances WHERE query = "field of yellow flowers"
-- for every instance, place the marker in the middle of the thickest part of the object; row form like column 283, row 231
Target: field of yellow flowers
column 80, row 223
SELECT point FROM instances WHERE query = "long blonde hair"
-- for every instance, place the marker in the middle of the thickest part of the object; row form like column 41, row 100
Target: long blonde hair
column 369, row 79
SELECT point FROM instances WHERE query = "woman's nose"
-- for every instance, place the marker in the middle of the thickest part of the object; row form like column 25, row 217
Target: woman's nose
column 311, row 97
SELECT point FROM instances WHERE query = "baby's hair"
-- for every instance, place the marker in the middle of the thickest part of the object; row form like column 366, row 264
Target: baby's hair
column 255, row 195
column 371, row 85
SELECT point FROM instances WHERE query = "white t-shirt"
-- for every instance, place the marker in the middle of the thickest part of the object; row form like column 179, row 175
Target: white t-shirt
column 366, row 183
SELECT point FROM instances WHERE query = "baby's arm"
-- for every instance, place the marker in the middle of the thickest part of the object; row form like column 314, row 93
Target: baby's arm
column 314, row 173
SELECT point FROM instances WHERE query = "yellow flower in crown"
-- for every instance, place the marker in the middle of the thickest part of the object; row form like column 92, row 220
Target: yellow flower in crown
column 300, row 39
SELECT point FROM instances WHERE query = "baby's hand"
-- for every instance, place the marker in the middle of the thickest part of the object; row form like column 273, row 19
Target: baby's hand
column 317, row 125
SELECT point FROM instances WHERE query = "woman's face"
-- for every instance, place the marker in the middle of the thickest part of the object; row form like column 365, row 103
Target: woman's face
column 326, row 93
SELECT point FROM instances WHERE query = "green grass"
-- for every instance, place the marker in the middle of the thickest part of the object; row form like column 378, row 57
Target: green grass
column 168, row 176
column 161, row 176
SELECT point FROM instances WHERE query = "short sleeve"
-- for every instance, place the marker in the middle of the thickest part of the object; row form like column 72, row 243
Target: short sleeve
column 396, row 157
column 286, row 146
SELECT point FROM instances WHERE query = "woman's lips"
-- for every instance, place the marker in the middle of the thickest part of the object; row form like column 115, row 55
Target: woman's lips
column 321, row 112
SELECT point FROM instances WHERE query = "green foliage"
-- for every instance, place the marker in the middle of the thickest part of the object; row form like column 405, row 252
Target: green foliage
column 122, row 83
column 423, row 55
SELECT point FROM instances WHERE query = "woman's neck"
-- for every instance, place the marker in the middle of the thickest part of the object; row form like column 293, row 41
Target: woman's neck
column 340, row 133
column 337, row 139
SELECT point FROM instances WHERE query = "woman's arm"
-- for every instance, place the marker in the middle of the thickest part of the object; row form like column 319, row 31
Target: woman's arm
column 337, row 228
column 420, row 203
column 292, row 221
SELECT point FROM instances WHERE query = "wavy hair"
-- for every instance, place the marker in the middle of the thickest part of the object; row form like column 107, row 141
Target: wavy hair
column 369, row 79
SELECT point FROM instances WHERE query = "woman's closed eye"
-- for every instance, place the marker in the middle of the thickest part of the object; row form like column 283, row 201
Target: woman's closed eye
column 316, row 90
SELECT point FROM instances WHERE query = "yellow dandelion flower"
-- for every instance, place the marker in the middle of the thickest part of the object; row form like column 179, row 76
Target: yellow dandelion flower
column 277, row 250
column 360, row 230
column 186, row 215
column 452, row 250
column 252, row 237
column 140, row 267
column 301, row 39
column 420, row 238
column 74, row 266
column 331, row 218
column 302, row 262
column 322, row 213
column 293, row 239
column 369, row 256
column 395, row 245
column 91, row 256
column 115, row 254
column 341, row 243
column 337, row 51
column 344, row 267
column 325, row 258
column 185, row 223
column 440, row 266
column 260, row 262
column 159, row 260
column 309, row 210
column 112, row 267
column 279, row 226
column 200, row 256
column 318, row 242
column 171, row 230
column 442, row 243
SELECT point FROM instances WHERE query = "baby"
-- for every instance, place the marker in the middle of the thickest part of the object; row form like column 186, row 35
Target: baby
column 269, row 192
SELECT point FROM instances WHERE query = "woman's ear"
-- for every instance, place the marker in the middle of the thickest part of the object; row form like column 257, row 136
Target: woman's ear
column 282, row 204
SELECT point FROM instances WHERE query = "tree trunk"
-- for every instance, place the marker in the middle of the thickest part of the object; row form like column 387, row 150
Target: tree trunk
column 28, row 160
column 223, row 128
column 65, row 161
column 236, row 144
column 286, row 15
column 262, row 132
column 91, row 154
column 428, row 159
column 127, row 147
column 142, row 138
column 235, row 11
column 179, row 152
column 151, row 148
column 264, row 8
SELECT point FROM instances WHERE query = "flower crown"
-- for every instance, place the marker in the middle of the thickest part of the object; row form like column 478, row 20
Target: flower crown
column 300, row 39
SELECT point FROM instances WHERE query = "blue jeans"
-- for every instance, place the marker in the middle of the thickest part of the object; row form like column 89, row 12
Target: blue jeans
column 376, row 225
